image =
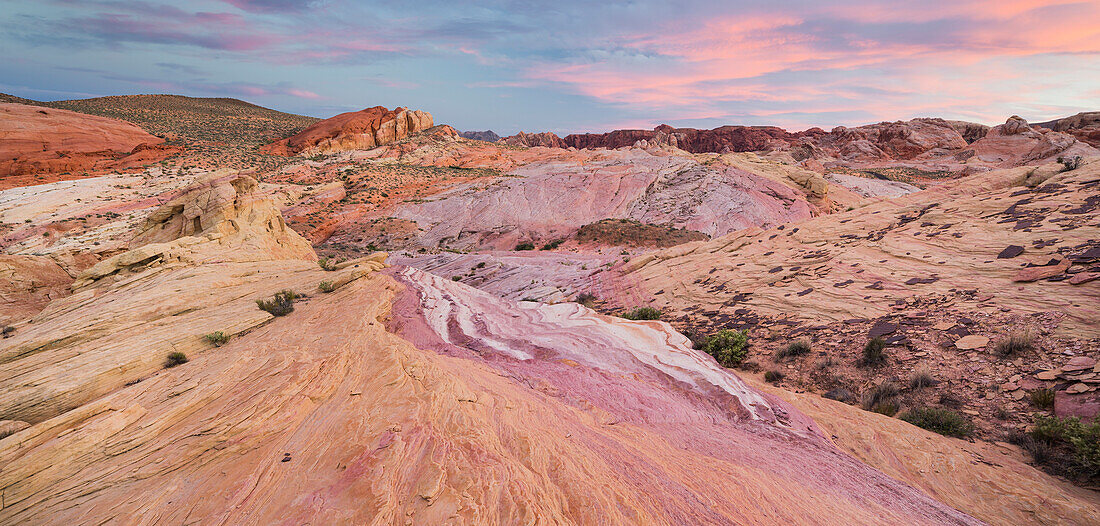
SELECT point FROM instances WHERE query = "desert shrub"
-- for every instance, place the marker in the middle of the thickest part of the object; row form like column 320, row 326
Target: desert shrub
column 874, row 353
column 921, row 377
column 773, row 376
column 1070, row 163
column 824, row 362
column 586, row 299
column 879, row 394
column 937, row 419
column 326, row 263
column 7, row 331
column 889, row 408
column 525, row 246
column 175, row 358
column 643, row 313
column 280, row 305
column 456, row 278
column 326, row 286
column 217, row 338
column 1042, row 398
column 1014, row 344
column 480, row 265
column 728, row 347
column 795, row 348
column 553, row 244
column 1074, row 446
column 840, row 394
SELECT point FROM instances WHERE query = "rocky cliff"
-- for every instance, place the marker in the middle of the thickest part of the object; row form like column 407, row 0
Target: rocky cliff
column 358, row 130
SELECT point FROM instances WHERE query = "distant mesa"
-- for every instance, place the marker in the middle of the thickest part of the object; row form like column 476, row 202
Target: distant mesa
column 357, row 130
column 487, row 135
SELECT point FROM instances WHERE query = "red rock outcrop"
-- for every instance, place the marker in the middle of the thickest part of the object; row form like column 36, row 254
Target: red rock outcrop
column 1016, row 142
column 38, row 140
column 1085, row 126
column 357, row 130
column 27, row 284
column 545, row 139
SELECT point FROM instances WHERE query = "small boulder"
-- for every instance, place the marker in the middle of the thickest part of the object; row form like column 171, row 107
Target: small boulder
column 973, row 341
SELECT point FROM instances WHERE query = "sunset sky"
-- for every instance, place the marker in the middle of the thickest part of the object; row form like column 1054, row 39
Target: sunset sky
column 570, row 66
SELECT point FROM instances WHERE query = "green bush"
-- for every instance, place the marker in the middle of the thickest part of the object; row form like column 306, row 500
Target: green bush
column 174, row 359
column 728, row 347
column 217, row 338
column 587, row 299
column 1074, row 445
column 795, row 348
column 553, row 244
column 943, row 421
column 643, row 313
column 525, row 246
column 874, row 353
column 326, row 286
column 281, row 305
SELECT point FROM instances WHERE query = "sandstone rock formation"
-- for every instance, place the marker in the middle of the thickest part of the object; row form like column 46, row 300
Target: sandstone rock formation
column 544, row 139
column 952, row 232
column 40, row 141
column 487, row 135
column 219, row 218
column 925, row 143
column 552, row 199
column 1015, row 142
column 1084, row 126
column 358, row 130
column 27, row 284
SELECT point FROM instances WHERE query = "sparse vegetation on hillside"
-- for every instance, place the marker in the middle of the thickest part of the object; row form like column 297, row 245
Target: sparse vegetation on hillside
column 939, row 420
column 326, row 286
column 642, row 313
column 209, row 119
column 728, row 347
column 772, row 376
column 626, row 232
column 280, row 305
column 525, row 246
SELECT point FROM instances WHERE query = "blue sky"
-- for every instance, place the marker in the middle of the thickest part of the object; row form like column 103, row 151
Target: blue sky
column 571, row 66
